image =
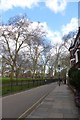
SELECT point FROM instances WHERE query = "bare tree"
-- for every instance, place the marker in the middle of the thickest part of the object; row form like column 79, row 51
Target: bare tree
column 13, row 39
column 18, row 37
column 37, row 47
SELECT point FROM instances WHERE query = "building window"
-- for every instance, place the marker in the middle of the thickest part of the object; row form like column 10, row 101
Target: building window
column 78, row 54
column 72, row 62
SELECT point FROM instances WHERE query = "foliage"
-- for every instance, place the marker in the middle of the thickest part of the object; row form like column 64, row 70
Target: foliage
column 74, row 77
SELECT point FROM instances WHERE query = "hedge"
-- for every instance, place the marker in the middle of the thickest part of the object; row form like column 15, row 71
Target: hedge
column 74, row 77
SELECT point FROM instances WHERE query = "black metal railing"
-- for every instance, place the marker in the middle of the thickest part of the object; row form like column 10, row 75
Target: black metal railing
column 12, row 86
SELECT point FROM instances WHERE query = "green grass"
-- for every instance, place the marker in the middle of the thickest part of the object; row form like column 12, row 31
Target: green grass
column 0, row 91
column 10, row 87
column 7, row 78
column 20, row 84
column 13, row 89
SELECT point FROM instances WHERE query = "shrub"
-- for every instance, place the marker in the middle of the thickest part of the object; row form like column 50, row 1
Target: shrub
column 74, row 77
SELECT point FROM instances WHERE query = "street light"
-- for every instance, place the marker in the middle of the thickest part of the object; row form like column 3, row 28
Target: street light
column 59, row 73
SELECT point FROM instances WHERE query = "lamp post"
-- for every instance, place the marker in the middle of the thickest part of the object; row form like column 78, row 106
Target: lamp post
column 59, row 73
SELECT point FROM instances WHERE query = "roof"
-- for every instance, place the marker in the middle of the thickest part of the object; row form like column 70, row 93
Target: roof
column 73, row 44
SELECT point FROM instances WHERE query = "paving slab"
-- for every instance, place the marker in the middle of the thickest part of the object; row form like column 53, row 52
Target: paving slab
column 58, row 104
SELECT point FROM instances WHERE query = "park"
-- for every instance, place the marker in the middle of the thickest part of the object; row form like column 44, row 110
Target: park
column 39, row 59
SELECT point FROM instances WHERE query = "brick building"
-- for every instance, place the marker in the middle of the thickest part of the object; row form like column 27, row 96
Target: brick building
column 75, row 51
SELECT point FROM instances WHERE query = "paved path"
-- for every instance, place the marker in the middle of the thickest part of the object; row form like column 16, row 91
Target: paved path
column 58, row 104
column 15, row 106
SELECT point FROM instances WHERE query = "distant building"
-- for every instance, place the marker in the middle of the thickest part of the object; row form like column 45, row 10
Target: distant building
column 75, row 51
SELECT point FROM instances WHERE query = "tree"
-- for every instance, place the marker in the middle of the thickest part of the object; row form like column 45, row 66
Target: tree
column 55, row 57
column 13, row 39
column 69, row 39
column 37, row 48
column 19, row 37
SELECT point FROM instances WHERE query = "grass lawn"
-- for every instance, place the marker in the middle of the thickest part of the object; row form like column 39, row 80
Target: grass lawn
column 13, row 86
column 14, row 89
column 7, row 78
column 20, row 84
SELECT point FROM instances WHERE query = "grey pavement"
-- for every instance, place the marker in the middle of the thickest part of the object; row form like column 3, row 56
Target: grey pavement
column 17, row 105
column 58, row 104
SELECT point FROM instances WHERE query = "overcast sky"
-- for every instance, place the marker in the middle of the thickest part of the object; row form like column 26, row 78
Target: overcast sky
column 57, row 16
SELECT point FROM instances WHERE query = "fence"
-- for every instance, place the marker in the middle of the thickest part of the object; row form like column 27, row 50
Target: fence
column 19, row 85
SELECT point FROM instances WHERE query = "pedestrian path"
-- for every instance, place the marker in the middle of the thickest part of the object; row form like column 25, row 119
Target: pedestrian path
column 58, row 104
